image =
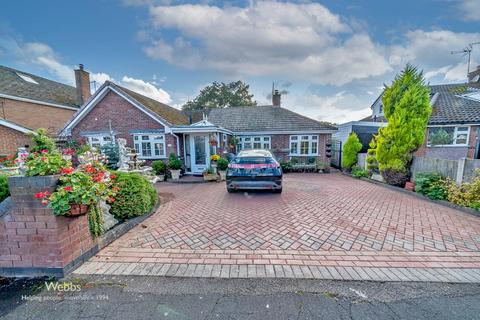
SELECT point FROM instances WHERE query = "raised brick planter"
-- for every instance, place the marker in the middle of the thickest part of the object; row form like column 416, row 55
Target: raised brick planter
column 34, row 242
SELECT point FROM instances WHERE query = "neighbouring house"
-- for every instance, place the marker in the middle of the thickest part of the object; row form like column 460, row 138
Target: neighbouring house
column 454, row 125
column 155, row 129
column 29, row 102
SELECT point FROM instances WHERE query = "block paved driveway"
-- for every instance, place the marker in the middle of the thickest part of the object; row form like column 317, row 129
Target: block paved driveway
column 322, row 226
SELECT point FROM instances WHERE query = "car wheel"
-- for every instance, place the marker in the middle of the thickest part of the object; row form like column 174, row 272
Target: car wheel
column 230, row 190
column 278, row 190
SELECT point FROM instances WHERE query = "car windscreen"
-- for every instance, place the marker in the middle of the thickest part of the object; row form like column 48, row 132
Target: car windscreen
column 253, row 160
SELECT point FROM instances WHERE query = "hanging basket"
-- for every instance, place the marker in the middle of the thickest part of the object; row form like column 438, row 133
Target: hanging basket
column 77, row 210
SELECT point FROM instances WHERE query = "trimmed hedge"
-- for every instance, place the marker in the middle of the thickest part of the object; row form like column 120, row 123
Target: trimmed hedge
column 136, row 196
column 4, row 192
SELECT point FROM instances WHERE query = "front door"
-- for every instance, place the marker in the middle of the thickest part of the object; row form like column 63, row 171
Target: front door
column 199, row 150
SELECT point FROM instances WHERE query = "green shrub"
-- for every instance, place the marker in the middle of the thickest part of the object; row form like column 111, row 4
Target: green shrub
column 467, row 195
column 431, row 184
column 41, row 141
column 4, row 192
column 135, row 197
column 159, row 167
column 174, row 163
column 222, row 164
column 286, row 166
column 350, row 150
column 359, row 172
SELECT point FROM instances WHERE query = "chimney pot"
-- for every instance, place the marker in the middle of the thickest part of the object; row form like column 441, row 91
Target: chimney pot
column 82, row 83
column 276, row 98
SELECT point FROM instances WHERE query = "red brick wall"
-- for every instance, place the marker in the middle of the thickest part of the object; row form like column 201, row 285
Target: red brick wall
column 32, row 237
column 11, row 139
column 34, row 116
column 472, row 142
column 124, row 117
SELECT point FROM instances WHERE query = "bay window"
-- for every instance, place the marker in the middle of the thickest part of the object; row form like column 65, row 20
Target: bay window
column 98, row 140
column 304, row 145
column 150, row 146
column 448, row 136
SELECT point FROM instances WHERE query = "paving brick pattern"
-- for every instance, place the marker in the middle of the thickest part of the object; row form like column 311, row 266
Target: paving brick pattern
column 333, row 223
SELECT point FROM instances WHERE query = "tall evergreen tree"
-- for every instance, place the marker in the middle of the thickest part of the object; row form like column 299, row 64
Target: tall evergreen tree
column 406, row 105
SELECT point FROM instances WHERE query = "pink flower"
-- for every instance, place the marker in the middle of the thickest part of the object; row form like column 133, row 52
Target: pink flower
column 43, row 158
column 44, row 151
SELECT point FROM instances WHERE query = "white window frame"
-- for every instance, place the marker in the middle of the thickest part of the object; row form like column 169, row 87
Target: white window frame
column 101, row 140
column 456, row 133
column 265, row 142
column 138, row 140
column 298, row 140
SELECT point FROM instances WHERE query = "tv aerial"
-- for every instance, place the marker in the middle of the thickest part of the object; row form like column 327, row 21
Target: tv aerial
column 466, row 51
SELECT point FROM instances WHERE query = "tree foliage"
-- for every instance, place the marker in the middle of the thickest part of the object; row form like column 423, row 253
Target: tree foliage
column 350, row 150
column 222, row 95
column 406, row 105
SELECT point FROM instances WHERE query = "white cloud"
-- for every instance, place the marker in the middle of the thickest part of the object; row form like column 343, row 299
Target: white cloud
column 146, row 89
column 340, row 107
column 304, row 41
column 470, row 10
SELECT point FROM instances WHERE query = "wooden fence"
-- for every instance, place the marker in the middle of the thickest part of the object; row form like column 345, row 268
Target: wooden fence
column 461, row 170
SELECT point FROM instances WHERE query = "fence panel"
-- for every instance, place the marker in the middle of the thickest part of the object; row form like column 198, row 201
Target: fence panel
column 361, row 160
column 447, row 168
column 470, row 167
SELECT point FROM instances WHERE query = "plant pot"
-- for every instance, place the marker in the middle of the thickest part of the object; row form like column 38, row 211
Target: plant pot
column 77, row 210
column 410, row 186
column 210, row 177
column 161, row 177
column 223, row 175
column 175, row 174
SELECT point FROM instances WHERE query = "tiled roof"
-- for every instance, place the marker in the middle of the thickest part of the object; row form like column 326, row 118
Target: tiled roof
column 44, row 90
column 170, row 114
column 450, row 107
column 264, row 118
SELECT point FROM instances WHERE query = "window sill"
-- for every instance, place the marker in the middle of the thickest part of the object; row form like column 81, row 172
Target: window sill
column 448, row 146
column 152, row 158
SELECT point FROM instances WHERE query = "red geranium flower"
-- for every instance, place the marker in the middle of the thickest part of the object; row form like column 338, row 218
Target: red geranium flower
column 112, row 176
column 68, row 188
column 111, row 199
column 66, row 170
column 43, row 158
column 41, row 195
column 44, row 151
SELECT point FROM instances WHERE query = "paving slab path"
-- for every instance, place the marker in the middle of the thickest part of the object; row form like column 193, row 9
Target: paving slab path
column 324, row 226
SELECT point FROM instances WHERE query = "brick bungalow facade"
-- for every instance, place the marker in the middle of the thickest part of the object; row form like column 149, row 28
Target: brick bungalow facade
column 29, row 102
column 155, row 130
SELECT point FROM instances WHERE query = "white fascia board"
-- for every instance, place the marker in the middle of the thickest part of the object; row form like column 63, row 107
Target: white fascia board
column 453, row 125
column 190, row 129
column 7, row 96
column 15, row 126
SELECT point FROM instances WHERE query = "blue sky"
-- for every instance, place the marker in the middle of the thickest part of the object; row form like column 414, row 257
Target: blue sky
column 330, row 58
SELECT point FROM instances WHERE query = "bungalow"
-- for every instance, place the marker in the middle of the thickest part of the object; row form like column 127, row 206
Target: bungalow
column 453, row 128
column 155, row 130
column 29, row 102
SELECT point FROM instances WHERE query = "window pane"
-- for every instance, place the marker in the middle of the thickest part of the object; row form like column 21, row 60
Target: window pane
column 266, row 146
column 159, row 149
column 461, row 138
column 314, row 147
column 293, row 147
column 304, row 147
column 293, row 137
column 440, row 136
column 314, row 137
column 145, row 138
column 247, row 139
column 256, row 139
column 462, row 129
column 107, row 138
column 135, row 137
column 158, row 138
column 257, row 145
column 137, row 148
column 146, row 149
column 247, row 145
column 266, row 138
column 304, row 137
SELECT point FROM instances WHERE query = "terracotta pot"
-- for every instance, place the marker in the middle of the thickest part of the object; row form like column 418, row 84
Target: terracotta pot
column 210, row 177
column 410, row 186
column 223, row 175
column 77, row 210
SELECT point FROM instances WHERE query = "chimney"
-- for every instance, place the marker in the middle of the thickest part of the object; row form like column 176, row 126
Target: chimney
column 276, row 97
column 82, row 82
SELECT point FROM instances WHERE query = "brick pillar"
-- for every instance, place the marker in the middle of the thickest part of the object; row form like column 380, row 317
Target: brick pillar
column 33, row 241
